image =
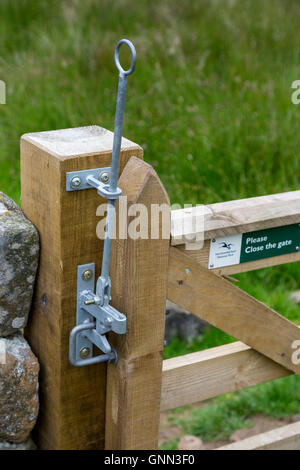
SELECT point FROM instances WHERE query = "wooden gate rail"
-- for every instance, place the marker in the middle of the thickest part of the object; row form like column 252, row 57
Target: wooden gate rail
column 207, row 374
column 222, row 304
column 243, row 215
column 240, row 216
column 282, row 438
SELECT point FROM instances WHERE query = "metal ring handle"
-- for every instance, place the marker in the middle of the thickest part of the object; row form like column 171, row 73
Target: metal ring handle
column 133, row 53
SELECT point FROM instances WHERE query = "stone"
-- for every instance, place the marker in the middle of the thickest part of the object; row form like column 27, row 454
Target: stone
column 190, row 443
column 19, row 402
column 19, row 253
column 27, row 445
column 295, row 297
column 182, row 324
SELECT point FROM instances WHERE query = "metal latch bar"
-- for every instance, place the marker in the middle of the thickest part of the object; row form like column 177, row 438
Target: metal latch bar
column 95, row 316
column 93, row 321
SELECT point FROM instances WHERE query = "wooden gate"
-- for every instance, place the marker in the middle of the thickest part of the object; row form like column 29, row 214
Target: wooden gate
column 118, row 407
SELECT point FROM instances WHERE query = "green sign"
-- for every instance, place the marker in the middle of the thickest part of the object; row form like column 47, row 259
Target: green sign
column 270, row 242
column 251, row 246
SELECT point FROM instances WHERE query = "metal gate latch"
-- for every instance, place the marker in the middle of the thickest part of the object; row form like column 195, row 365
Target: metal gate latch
column 95, row 317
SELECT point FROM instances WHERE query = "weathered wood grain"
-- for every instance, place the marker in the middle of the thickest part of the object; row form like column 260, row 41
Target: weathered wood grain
column 225, row 306
column 242, row 215
column 139, row 277
column 206, row 374
column 72, row 411
column 283, row 438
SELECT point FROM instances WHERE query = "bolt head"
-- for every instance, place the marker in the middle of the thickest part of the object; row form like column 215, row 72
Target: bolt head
column 84, row 353
column 108, row 321
column 87, row 275
column 104, row 177
column 44, row 300
column 75, row 182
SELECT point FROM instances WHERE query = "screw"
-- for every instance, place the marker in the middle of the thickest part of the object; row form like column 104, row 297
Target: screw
column 89, row 302
column 211, row 265
column 87, row 275
column 104, row 177
column 84, row 353
column 44, row 300
column 75, row 182
column 213, row 240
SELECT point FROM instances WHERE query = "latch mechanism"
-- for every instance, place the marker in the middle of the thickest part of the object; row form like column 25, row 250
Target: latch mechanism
column 95, row 317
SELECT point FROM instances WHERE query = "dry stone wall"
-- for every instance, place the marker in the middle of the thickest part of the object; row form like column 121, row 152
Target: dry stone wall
column 19, row 368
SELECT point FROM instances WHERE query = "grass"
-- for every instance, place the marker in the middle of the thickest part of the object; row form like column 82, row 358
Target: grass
column 211, row 337
column 210, row 102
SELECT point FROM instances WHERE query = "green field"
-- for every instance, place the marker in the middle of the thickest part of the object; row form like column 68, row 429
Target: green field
column 210, row 102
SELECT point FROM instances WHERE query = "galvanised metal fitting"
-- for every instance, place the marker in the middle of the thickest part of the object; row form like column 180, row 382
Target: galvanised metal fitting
column 95, row 317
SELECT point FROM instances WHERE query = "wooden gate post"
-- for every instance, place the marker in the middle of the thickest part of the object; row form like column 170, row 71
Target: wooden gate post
column 72, row 400
column 139, row 279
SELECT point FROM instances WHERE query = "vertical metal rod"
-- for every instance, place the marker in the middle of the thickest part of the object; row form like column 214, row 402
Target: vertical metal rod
column 111, row 203
column 118, row 131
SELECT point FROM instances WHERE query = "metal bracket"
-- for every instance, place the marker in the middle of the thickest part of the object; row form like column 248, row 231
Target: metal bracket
column 93, row 321
column 103, row 189
column 77, row 180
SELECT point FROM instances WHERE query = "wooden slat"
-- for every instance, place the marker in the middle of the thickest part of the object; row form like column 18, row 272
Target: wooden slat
column 225, row 306
column 206, row 374
column 202, row 256
column 283, row 438
column 72, row 411
column 244, row 215
column 139, row 277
